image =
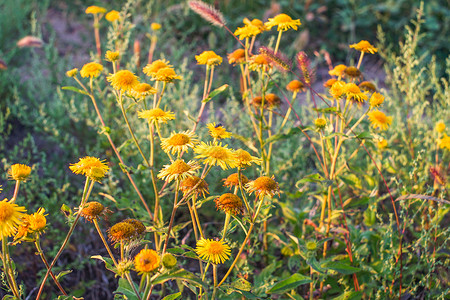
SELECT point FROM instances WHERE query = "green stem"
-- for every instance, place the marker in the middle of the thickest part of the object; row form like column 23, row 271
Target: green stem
column 172, row 217
column 225, row 225
column 104, row 241
column 7, row 268
column 162, row 93
column 16, row 191
column 278, row 41
column 244, row 197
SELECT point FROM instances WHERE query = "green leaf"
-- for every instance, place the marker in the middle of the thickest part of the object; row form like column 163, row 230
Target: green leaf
column 327, row 110
column 109, row 264
column 180, row 274
column 126, row 289
column 74, row 89
column 317, row 178
column 288, row 284
column 125, row 144
column 283, row 136
column 364, row 135
column 341, row 267
column 351, row 295
column 332, row 135
column 173, row 296
column 215, row 93
column 63, row 273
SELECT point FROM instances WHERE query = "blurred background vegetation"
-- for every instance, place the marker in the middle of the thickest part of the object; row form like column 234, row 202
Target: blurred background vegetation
column 48, row 128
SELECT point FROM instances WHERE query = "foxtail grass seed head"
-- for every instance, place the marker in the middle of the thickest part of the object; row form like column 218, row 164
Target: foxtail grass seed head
column 438, row 176
column 444, row 142
column 376, row 99
column 329, row 83
column 208, row 13
column 179, row 142
column 112, row 56
column 156, row 115
column 218, row 131
column 263, row 186
column 121, row 231
column 141, row 90
column 178, row 170
column 93, row 10
column 91, row 167
column 352, row 72
column 11, row 217
column 233, row 180
column 19, row 172
column 169, row 261
column 368, row 86
column 338, row 70
column 295, row 86
column 91, row 70
column 320, row 123
column 304, row 65
column 379, row 120
column 93, row 210
column 283, row 22
column 189, row 183
column 353, row 92
column 155, row 26
column 152, row 69
column 364, row 46
column 236, row 57
column 277, row 59
column 209, row 58
column 72, row 73
column 440, row 127
column 215, row 251
column 147, row 261
column 123, row 80
column 216, row 155
column 230, row 204
column 244, row 159
column 112, row 16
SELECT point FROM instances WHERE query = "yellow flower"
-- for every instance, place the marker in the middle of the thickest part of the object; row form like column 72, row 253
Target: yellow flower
column 283, row 21
column 155, row 26
column 216, row 155
column 95, row 10
column 147, row 261
column 72, row 73
column 243, row 158
column 258, row 61
column 338, row 70
column 112, row 56
column 295, row 86
column 216, row 252
column 236, row 57
column 19, row 172
column 154, row 67
column 178, row 170
column 256, row 22
column 123, row 80
column 91, row 167
column 166, row 75
column 263, row 185
column 233, row 180
column 230, row 204
column 320, row 123
column 382, row 144
column 209, row 58
column 156, row 115
column 329, row 83
column 218, row 131
column 379, row 120
column 440, row 126
column 11, row 216
column 364, row 46
column 444, row 142
column 353, row 92
column 376, row 99
column 179, row 142
column 337, row 89
column 271, row 100
column 189, row 183
column 141, row 90
column 37, row 221
column 247, row 31
column 112, row 16
column 91, row 70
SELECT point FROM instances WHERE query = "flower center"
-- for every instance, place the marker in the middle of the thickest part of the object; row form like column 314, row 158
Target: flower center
column 219, row 153
column 179, row 139
column 178, row 167
column 380, row 117
column 265, row 184
column 215, row 247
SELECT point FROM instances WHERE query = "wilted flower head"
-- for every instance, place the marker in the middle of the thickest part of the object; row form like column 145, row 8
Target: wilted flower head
column 209, row 58
column 91, row 70
column 230, row 204
column 189, row 183
column 121, row 231
column 233, row 180
column 19, row 172
column 352, row 72
column 364, row 46
column 367, row 86
column 37, row 221
column 139, row 227
column 93, row 210
column 283, row 22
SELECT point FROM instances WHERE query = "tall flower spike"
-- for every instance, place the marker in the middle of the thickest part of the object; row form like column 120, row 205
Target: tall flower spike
column 208, row 12
column 278, row 59
column 304, row 64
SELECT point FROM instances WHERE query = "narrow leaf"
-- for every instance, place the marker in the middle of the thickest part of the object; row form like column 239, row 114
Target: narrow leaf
column 288, row 284
column 74, row 89
column 215, row 93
